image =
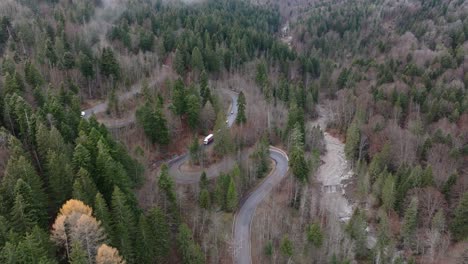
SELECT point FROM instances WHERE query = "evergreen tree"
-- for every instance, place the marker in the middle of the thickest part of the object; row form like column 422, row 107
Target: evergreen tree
column 410, row 223
column 388, row 192
column 195, row 151
column 189, row 249
column 357, row 230
column 86, row 66
column 286, row 247
column 146, row 41
column 22, row 218
column 160, row 234
column 60, row 177
column 223, row 141
column 109, row 64
column 352, row 141
column 297, row 161
column 314, row 235
column 197, row 60
column 179, row 97
column 261, row 157
column 231, row 196
column 101, row 212
column 241, row 116
column 179, row 62
column 32, row 75
column 84, row 188
column 124, row 225
column 77, row 254
column 204, row 199
column 205, row 93
column 193, row 110
column 143, row 250
column 459, row 225
column 154, row 124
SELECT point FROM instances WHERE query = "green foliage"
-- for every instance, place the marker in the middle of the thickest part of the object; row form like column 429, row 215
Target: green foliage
column 188, row 248
column 269, row 248
column 204, row 199
column 179, row 97
column 261, row 157
column 410, row 223
column 353, row 137
column 154, row 124
column 60, row 177
column 459, row 225
column 102, row 213
column 109, row 64
column 357, row 231
column 315, row 235
column 241, row 117
column 123, row 221
column 388, row 192
column 223, row 140
column 160, row 235
column 146, row 40
column 193, row 110
column 197, row 60
column 297, row 161
column 286, row 247
column 231, row 196
column 77, row 254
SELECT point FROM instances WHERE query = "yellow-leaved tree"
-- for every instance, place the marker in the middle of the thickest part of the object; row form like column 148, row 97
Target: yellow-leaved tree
column 75, row 224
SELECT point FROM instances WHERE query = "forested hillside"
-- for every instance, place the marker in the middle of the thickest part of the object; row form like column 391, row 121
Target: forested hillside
column 105, row 105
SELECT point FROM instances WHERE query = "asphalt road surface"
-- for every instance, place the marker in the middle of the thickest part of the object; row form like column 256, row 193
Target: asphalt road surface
column 243, row 220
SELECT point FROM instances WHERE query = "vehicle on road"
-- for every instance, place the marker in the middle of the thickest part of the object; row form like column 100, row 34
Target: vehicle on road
column 83, row 113
column 232, row 112
column 208, row 139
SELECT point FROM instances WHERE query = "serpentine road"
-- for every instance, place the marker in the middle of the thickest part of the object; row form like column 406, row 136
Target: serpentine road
column 245, row 214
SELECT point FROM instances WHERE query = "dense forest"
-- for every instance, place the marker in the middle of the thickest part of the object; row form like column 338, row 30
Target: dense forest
column 82, row 181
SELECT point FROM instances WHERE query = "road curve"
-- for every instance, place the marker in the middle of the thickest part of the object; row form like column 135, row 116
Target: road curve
column 244, row 216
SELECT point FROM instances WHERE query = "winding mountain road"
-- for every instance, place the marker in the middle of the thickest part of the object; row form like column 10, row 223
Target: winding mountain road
column 245, row 214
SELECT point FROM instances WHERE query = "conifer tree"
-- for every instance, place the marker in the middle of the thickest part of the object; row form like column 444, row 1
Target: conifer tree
column 410, row 223
column 84, row 188
column 77, row 254
column 223, row 141
column 314, row 235
column 197, row 60
column 286, row 247
column 193, row 110
column 124, row 225
column 352, row 141
column 189, row 249
column 101, row 212
column 179, row 62
column 60, row 177
column 459, row 225
column 241, row 115
column 160, row 234
column 388, row 192
column 231, row 196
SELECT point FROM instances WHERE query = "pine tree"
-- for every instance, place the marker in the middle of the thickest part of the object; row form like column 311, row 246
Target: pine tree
column 459, row 225
column 154, row 124
column 223, row 141
column 314, row 235
column 77, row 255
column 84, row 188
column 231, row 196
column 205, row 93
column 297, row 161
column 241, row 115
column 388, row 192
column 194, row 151
column 357, row 230
column 86, row 66
column 189, row 249
column 22, row 218
column 32, row 75
column 101, row 212
column 60, row 177
column 204, row 199
column 193, row 110
column 179, row 62
column 197, row 60
column 124, row 225
column 143, row 249
column 352, row 141
column 179, row 97
column 109, row 65
column 160, row 234
column 410, row 223
column 286, row 247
